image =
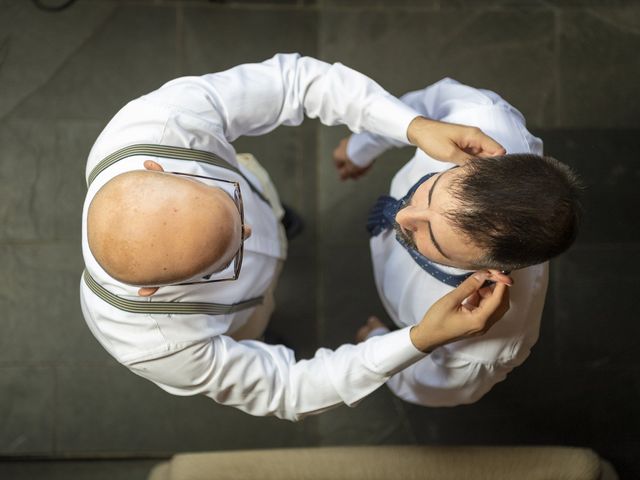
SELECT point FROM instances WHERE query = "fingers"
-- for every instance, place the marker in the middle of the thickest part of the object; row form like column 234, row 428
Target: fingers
column 466, row 288
column 361, row 334
column 340, row 159
column 472, row 301
column 454, row 152
column 483, row 145
column 348, row 170
column 474, row 143
column 340, row 152
column 490, row 148
column 451, row 142
column 492, row 306
column 499, row 312
column 495, row 304
column 373, row 322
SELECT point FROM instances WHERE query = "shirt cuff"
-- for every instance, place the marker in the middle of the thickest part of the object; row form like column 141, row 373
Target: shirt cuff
column 393, row 352
column 389, row 117
column 377, row 332
column 362, row 149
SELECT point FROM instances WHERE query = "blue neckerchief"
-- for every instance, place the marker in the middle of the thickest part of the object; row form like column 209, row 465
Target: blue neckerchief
column 383, row 217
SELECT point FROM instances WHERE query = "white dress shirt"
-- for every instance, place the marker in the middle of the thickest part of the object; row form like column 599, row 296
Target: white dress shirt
column 460, row 372
column 194, row 354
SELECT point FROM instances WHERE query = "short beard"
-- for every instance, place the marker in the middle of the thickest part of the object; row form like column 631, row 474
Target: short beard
column 408, row 239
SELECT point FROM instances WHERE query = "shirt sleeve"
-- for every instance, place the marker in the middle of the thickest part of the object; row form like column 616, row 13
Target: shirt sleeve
column 253, row 99
column 263, row 379
column 364, row 147
column 451, row 101
column 443, row 380
column 440, row 380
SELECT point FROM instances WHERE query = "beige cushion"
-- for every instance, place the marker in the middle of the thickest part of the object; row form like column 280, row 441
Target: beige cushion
column 159, row 472
column 389, row 462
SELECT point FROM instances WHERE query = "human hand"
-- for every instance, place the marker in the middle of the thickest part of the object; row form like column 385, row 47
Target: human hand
column 450, row 142
column 346, row 168
column 468, row 311
column 364, row 331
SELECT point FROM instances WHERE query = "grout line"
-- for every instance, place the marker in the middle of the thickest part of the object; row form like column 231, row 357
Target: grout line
column 320, row 256
column 316, row 428
column 593, row 11
column 554, row 302
column 558, row 22
column 51, row 242
column 404, row 418
column 52, row 364
column 383, row 7
column 54, row 420
column 80, row 456
column 98, row 28
column 180, row 41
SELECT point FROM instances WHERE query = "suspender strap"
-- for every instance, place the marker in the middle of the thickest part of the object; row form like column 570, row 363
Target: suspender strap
column 182, row 308
column 174, row 153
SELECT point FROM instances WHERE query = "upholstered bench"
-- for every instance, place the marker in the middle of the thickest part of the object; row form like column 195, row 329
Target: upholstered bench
column 390, row 462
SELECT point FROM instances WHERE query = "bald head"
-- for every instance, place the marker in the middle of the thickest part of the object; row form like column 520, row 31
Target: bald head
column 151, row 228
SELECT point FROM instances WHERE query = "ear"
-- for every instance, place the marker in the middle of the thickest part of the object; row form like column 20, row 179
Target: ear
column 154, row 166
column 246, row 233
column 498, row 276
column 147, row 291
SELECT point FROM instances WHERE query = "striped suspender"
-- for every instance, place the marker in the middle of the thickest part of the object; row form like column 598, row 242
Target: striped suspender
column 174, row 153
column 182, row 308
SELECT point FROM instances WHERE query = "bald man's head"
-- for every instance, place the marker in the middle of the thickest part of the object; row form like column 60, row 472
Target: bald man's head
column 151, row 228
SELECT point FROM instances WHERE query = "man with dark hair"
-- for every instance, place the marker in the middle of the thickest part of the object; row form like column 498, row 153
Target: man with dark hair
column 508, row 213
column 520, row 209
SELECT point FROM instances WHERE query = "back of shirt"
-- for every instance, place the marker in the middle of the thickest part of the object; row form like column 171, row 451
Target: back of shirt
column 463, row 371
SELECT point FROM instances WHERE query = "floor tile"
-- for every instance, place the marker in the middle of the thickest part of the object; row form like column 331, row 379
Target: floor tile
column 44, row 165
column 343, row 206
column 524, row 409
column 295, row 320
column 379, row 4
column 376, row 420
column 348, row 293
column 605, row 161
column 595, row 293
column 130, row 414
column 27, row 420
column 28, row 151
column 40, row 300
column 132, row 53
column 289, row 155
column 408, row 50
column 219, row 38
column 595, row 46
column 35, row 44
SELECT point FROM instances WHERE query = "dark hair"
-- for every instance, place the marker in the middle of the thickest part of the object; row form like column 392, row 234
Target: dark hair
column 522, row 209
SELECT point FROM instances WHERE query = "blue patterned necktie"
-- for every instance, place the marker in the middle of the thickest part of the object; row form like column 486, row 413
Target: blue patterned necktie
column 383, row 217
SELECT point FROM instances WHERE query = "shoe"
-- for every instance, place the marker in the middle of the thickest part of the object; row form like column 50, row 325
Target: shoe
column 292, row 222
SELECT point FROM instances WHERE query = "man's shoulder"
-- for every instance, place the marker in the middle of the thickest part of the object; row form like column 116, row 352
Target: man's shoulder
column 130, row 332
column 448, row 95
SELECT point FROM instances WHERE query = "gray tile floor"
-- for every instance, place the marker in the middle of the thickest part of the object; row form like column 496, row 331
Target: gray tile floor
column 571, row 67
